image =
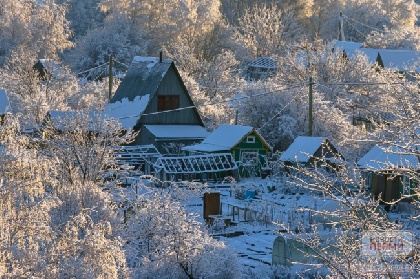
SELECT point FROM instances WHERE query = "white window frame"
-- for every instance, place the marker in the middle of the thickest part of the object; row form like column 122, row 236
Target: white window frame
column 250, row 139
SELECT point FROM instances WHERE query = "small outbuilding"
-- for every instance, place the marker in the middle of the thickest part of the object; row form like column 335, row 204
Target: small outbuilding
column 248, row 147
column 312, row 152
column 388, row 172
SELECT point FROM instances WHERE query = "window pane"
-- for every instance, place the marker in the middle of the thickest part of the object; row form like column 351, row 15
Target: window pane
column 168, row 102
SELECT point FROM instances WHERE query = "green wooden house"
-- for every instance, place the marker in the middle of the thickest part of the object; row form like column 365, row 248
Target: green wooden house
column 247, row 146
column 153, row 100
column 388, row 173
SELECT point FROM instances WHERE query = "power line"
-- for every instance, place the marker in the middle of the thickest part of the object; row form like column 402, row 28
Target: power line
column 92, row 69
column 275, row 115
column 361, row 83
column 121, row 63
column 364, row 24
column 214, row 103
column 355, row 28
column 233, row 88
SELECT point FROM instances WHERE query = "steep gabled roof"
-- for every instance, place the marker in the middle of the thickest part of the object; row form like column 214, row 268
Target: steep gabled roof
column 385, row 158
column 143, row 78
column 224, row 138
column 302, row 149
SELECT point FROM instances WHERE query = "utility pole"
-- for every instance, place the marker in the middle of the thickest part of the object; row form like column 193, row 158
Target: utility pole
column 341, row 28
column 310, row 106
column 110, row 78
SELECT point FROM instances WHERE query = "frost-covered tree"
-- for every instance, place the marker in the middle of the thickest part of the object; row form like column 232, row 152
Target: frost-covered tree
column 396, row 38
column 32, row 94
column 83, row 145
column 115, row 37
column 40, row 26
column 168, row 22
column 83, row 15
column 267, row 30
column 343, row 89
column 51, row 226
column 360, row 17
column 167, row 242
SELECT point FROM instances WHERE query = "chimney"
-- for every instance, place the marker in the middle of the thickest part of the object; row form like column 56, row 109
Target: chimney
column 160, row 55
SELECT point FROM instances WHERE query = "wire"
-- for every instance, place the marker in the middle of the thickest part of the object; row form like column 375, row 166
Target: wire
column 214, row 103
column 92, row 68
column 99, row 75
column 364, row 24
column 275, row 115
column 361, row 83
column 120, row 63
column 355, row 28
column 228, row 89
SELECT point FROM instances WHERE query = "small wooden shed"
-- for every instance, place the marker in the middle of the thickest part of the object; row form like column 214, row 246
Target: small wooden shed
column 248, row 147
column 311, row 152
column 383, row 169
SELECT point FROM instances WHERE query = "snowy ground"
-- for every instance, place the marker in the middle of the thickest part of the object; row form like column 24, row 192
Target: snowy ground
column 250, row 234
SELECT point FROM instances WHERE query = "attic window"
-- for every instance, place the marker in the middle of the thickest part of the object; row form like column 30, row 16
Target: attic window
column 250, row 139
column 168, row 102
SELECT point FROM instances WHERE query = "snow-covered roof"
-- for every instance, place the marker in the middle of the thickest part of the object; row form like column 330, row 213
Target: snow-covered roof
column 177, row 131
column 204, row 147
column 143, row 77
column 400, row 59
column 127, row 112
column 346, row 45
column 302, row 149
column 383, row 158
column 224, row 138
column 228, row 135
column 264, row 62
column 4, row 102
column 66, row 120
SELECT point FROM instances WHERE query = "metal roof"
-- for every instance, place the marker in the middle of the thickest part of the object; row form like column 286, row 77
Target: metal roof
column 143, row 77
column 264, row 62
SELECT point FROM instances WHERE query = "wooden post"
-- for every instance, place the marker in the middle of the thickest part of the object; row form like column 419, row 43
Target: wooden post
column 110, row 77
column 341, row 28
column 310, row 107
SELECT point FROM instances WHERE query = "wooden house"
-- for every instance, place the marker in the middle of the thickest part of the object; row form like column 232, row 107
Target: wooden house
column 248, row 147
column 153, row 100
column 312, row 152
column 388, row 172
